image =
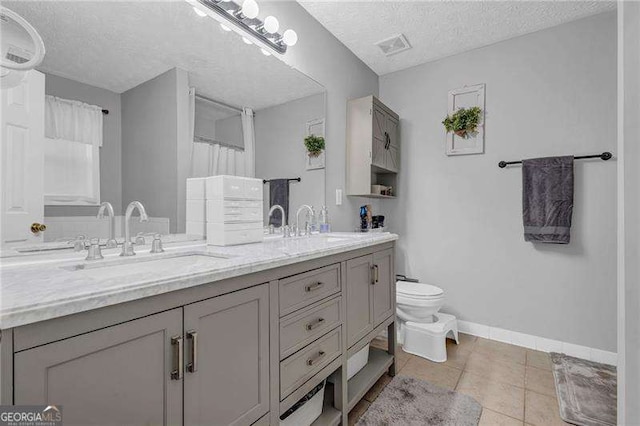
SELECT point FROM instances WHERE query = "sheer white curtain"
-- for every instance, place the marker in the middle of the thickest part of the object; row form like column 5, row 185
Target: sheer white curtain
column 73, row 132
column 249, row 136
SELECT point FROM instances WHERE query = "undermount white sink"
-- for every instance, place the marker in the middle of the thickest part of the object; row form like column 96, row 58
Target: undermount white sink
column 164, row 261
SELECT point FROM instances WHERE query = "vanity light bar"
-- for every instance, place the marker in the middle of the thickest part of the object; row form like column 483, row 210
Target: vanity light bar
column 232, row 13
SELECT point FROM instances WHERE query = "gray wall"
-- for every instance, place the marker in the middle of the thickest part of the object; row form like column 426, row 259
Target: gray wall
column 322, row 57
column 151, row 154
column 629, row 209
column 548, row 93
column 280, row 153
column 110, row 153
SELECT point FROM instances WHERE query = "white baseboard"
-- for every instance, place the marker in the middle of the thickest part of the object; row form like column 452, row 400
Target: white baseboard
column 537, row 343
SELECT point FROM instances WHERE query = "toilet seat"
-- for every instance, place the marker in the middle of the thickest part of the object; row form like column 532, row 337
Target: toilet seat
column 418, row 291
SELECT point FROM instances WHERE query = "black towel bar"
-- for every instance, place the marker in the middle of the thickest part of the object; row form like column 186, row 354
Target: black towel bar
column 604, row 156
column 290, row 179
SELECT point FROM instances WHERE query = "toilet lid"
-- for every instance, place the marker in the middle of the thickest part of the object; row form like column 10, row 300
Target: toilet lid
column 417, row 290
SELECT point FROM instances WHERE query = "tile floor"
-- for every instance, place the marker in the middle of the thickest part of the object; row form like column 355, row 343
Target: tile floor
column 514, row 385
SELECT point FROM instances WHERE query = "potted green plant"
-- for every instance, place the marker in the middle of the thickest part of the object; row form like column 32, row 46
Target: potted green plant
column 314, row 145
column 464, row 122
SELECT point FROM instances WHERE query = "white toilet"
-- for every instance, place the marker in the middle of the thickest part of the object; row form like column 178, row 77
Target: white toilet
column 422, row 330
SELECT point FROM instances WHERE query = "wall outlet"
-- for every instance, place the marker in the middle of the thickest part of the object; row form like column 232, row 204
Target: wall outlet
column 338, row 197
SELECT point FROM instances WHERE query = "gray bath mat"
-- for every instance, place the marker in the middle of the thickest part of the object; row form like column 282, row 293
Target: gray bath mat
column 412, row 402
column 586, row 391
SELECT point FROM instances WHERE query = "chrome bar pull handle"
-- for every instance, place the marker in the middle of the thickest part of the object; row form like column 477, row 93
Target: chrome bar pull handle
column 311, row 287
column 192, row 366
column 176, row 343
column 376, row 274
column 317, row 358
column 314, row 324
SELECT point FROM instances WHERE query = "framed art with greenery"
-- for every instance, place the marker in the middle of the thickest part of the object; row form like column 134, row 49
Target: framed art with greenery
column 464, row 123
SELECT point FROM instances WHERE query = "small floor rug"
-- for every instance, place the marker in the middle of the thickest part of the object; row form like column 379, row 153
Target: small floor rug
column 411, row 402
column 586, row 391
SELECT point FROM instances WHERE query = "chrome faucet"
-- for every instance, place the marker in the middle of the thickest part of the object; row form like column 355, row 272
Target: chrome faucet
column 127, row 246
column 308, row 225
column 111, row 242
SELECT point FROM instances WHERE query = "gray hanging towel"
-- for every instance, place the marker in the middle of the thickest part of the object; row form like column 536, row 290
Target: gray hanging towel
column 279, row 194
column 547, row 199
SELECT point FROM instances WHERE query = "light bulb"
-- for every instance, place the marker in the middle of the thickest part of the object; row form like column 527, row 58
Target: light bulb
column 290, row 38
column 199, row 12
column 250, row 9
column 265, row 52
column 271, row 24
column 246, row 40
column 224, row 27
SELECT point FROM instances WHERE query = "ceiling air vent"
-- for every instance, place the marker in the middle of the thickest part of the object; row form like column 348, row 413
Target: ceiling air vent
column 393, row 45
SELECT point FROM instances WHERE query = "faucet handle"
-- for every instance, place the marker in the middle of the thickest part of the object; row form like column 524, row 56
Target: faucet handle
column 94, row 252
column 156, row 245
column 140, row 239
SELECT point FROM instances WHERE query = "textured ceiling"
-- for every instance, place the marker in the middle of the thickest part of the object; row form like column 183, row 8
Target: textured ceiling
column 436, row 29
column 117, row 45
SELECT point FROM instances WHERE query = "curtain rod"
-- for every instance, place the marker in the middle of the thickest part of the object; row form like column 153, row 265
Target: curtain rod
column 604, row 156
column 201, row 139
column 222, row 104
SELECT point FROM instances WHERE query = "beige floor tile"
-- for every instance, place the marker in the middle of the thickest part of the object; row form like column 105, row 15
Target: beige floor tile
column 431, row 372
column 491, row 418
column 402, row 358
column 358, row 411
column 540, row 381
column 465, row 342
column 500, row 397
column 541, row 410
column 538, row 359
column 487, row 366
column 375, row 390
column 457, row 356
column 501, row 351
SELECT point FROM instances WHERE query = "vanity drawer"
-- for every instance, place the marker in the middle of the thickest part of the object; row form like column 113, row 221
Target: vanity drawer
column 301, row 290
column 242, row 203
column 300, row 329
column 301, row 366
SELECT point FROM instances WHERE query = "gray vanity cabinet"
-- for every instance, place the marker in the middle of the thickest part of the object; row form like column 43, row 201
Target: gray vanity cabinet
column 226, row 380
column 383, row 287
column 370, row 293
column 116, row 375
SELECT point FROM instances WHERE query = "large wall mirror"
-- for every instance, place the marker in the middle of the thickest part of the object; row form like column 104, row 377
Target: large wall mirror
column 139, row 96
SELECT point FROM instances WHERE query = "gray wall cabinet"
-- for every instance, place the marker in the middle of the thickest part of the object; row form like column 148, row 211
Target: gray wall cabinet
column 373, row 146
column 240, row 351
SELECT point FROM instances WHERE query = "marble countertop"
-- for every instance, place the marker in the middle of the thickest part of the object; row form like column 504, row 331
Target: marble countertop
column 49, row 285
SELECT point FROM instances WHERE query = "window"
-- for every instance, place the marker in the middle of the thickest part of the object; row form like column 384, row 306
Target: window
column 73, row 133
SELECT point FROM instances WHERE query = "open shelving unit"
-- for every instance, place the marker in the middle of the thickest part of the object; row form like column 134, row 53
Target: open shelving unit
column 379, row 362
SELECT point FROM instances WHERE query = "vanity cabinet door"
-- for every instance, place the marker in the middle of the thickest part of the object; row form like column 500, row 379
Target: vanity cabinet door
column 116, row 375
column 227, row 358
column 359, row 298
column 384, row 286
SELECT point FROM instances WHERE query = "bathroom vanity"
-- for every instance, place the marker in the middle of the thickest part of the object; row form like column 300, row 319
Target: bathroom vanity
column 198, row 334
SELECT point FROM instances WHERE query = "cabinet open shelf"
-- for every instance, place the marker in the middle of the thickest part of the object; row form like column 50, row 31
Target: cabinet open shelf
column 330, row 416
column 379, row 362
